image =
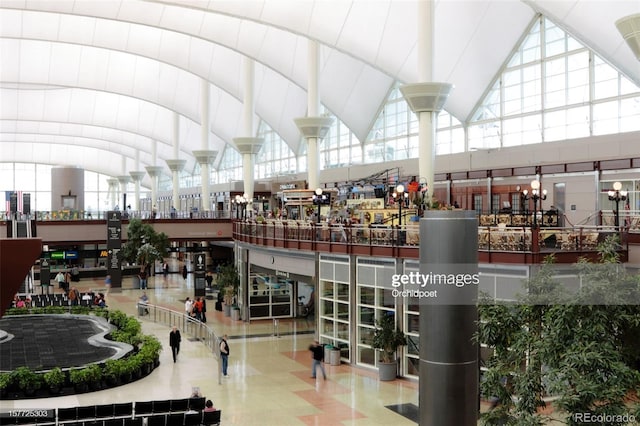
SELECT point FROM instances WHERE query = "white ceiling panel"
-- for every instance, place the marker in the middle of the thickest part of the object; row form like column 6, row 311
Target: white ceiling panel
column 93, row 67
column 9, row 54
column 111, row 34
column 181, row 19
column 64, row 60
column 105, row 8
column 363, row 29
column 279, row 50
column 226, row 70
column 223, row 29
column 174, row 49
column 32, row 25
column 30, row 104
column 200, row 57
column 328, row 20
column 134, row 63
column 34, row 61
column 140, row 11
column 82, row 106
column 74, row 29
column 291, row 14
column 144, row 40
column 251, row 37
column 395, row 43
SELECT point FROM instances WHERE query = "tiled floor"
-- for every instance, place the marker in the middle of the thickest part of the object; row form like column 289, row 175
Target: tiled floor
column 269, row 380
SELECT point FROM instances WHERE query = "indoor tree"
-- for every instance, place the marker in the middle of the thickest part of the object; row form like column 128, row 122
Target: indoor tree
column 578, row 347
column 144, row 245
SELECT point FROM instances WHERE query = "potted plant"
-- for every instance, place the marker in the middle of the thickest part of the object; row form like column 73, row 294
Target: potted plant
column 86, row 377
column 229, row 280
column 54, row 379
column 6, row 380
column 144, row 245
column 28, row 381
column 112, row 372
column 235, row 313
column 387, row 338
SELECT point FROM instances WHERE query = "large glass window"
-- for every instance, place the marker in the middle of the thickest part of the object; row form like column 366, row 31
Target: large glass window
column 374, row 299
column 335, row 300
column 275, row 157
column 546, row 93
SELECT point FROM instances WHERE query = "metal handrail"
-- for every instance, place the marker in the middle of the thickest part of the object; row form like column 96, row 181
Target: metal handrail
column 190, row 326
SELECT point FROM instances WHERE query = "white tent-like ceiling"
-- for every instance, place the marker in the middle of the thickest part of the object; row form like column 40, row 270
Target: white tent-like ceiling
column 90, row 82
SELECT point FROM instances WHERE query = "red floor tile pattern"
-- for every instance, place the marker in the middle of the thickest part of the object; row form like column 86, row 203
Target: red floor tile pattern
column 332, row 412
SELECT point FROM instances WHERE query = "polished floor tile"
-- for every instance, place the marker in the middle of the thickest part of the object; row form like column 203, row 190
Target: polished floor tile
column 269, row 381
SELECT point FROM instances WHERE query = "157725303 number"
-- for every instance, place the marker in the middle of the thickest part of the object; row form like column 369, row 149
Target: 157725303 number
column 28, row 413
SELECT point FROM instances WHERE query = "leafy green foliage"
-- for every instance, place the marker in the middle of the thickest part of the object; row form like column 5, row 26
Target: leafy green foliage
column 26, row 379
column 581, row 347
column 144, row 245
column 387, row 338
column 54, row 378
column 229, row 280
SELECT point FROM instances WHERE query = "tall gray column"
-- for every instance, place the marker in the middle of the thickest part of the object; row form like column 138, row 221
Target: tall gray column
column 449, row 376
column 68, row 181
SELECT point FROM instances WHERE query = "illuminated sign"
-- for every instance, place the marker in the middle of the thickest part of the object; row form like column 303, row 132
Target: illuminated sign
column 64, row 255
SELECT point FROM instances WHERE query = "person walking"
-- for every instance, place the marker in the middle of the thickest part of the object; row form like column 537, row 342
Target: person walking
column 174, row 342
column 188, row 307
column 143, row 278
column 317, row 354
column 107, row 283
column 224, row 355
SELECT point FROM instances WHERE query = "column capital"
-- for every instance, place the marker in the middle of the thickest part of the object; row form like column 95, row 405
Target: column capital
column 112, row 181
column 314, row 127
column 205, row 156
column 629, row 28
column 176, row 165
column 426, row 97
column 137, row 175
column 248, row 145
column 154, row 171
column 124, row 179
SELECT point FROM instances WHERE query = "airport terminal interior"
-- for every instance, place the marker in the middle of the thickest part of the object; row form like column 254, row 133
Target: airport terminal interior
column 304, row 143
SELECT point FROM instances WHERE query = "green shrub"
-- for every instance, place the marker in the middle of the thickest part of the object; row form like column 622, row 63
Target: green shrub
column 54, row 378
column 26, row 378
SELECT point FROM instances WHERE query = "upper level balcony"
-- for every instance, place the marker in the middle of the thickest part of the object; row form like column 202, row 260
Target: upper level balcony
column 496, row 244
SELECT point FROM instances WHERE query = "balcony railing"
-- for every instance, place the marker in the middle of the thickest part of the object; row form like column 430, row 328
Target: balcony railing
column 404, row 240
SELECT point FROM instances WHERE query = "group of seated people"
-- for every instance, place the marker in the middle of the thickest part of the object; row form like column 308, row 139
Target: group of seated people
column 19, row 302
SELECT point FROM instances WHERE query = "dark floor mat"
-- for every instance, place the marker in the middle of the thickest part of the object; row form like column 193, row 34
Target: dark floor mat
column 410, row 411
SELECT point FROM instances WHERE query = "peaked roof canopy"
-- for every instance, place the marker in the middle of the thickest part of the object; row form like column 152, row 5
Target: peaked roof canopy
column 92, row 83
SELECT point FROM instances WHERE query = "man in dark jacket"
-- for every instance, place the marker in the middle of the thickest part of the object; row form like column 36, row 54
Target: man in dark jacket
column 317, row 354
column 174, row 341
